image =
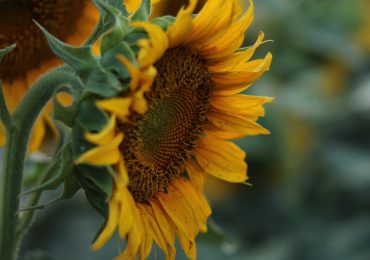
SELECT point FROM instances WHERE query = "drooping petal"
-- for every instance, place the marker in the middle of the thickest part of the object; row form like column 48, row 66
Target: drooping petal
column 177, row 214
column 246, row 73
column 222, row 159
column 241, row 104
column 118, row 106
column 235, row 59
column 105, row 136
column 196, row 174
column 110, row 226
column 103, row 155
column 182, row 26
column 235, row 123
column 225, row 42
column 153, row 48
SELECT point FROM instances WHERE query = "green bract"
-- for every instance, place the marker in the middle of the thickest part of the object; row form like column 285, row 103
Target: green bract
column 100, row 77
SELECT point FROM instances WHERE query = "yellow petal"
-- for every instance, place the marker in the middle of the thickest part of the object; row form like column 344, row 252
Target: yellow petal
column 227, row 41
column 103, row 155
column 118, row 106
column 220, row 133
column 110, row 226
column 134, row 72
column 196, row 174
column 195, row 195
column 222, row 159
column 205, row 21
column 193, row 200
column 241, row 104
column 177, row 214
column 246, row 73
column 153, row 48
column 157, row 234
column 126, row 217
column 122, row 173
column 106, row 135
column 139, row 103
column 235, row 123
column 182, row 26
column 147, row 241
column 187, row 209
column 235, row 59
column 188, row 245
column 135, row 237
column 163, row 222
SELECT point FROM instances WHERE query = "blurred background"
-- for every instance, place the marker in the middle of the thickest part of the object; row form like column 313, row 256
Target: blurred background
column 311, row 177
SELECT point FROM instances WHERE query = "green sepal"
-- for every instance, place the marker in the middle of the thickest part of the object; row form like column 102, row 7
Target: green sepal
column 103, row 83
column 66, row 114
column 143, row 12
column 80, row 59
column 78, row 142
column 6, row 50
column 112, row 64
column 118, row 26
column 89, row 119
column 163, row 21
column 105, row 23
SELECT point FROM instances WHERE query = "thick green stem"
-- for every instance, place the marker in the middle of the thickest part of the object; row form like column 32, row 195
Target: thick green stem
column 15, row 152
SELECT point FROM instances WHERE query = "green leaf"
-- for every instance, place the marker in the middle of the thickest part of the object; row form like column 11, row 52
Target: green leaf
column 62, row 171
column 6, row 50
column 80, row 59
column 59, row 170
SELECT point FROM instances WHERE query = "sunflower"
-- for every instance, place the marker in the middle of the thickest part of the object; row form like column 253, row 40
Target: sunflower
column 70, row 20
column 176, row 126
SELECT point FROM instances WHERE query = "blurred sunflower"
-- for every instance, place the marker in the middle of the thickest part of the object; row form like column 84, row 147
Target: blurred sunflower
column 69, row 20
column 175, row 126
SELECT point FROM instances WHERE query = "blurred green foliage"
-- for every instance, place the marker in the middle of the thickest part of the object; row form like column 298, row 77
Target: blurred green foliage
column 311, row 177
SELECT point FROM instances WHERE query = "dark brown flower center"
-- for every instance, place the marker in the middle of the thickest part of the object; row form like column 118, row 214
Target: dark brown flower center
column 17, row 26
column 157, row 143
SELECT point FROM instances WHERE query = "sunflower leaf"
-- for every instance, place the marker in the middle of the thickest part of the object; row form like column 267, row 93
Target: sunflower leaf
column 59, row 170
column 71, row 186
column 80, row 59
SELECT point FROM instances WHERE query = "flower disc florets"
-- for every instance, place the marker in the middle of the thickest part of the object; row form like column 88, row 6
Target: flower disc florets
column 158, row 142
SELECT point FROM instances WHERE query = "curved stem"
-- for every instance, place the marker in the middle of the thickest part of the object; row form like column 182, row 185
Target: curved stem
column 15, row 152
